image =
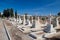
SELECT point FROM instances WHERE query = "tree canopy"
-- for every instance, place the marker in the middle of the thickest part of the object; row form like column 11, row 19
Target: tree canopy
column 58, row 14
column 0, row 14
column 8, row 12
column 15, row 14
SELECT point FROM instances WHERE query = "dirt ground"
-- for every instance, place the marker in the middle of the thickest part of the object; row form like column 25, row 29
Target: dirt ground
column 12, row 31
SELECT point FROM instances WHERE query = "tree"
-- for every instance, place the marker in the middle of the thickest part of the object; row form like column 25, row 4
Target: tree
column 15, row 14
column 26, row 16
column 11, row 12
column 58, row 14
column 43, row 18
column 0, row 14
column 8, row 12
column 34, row 17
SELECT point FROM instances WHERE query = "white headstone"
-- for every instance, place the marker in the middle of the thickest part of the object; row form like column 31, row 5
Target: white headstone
column 24, row 21
column 57, row 21
column 32, row 19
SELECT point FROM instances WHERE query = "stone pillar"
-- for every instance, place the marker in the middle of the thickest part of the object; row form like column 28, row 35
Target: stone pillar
column 58, row 26
column 24, row 20
column 52, row 30
column 37, row 24
column 20, row 21
column 50, row 18
column 38, row 19
column 17, row 18
column 32, row 19
column 14, row 15
column 57, row 21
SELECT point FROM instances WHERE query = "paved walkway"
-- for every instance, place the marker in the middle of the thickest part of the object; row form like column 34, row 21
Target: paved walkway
column 3, row 35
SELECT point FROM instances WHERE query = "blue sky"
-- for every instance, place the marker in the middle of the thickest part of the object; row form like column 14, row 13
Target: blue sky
column 39, row 7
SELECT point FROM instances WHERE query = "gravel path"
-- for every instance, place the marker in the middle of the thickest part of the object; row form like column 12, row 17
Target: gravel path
column 3, row 35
